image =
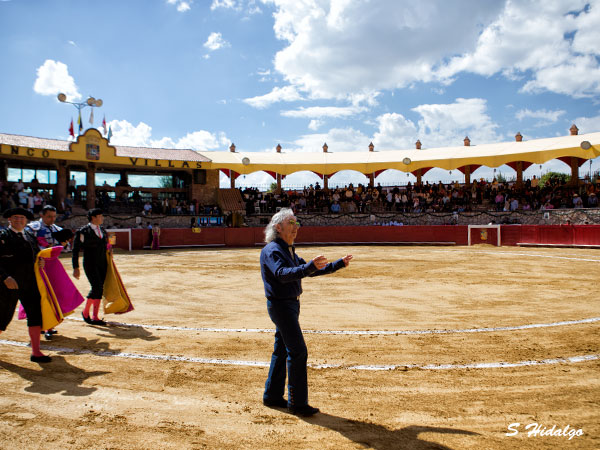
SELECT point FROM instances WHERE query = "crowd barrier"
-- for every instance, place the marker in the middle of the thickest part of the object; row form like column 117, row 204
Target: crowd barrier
column 558, row 235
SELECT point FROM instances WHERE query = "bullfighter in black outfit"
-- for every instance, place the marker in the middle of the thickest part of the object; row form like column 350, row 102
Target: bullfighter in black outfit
column 93, row 239
column 18, row 252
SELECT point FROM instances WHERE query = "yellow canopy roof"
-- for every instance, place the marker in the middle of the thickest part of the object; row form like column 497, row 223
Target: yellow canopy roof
column 537, row 151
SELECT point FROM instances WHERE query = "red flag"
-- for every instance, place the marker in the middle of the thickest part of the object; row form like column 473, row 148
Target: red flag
column 104, row 125
column 71, row 130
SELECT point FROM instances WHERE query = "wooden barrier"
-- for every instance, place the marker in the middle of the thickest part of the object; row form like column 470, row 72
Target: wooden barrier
column 532, row 235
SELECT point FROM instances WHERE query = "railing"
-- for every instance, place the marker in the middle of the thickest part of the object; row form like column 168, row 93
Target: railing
column 400, row 183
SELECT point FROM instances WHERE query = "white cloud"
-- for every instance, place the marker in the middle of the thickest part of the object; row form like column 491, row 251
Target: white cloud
column 341, row 47
column 586, row 39
column 315, row 124
column 587, row 124
column 334, row 49
column 226, row 4
column 265, row 75
column 579, row 78
column 124, row 133
column 53, row 77
column 337, row 139
column 253, row 8
column 531, row 39
column 202, row 140
column 323, row 111
column 395, row 132
column 182, row 5
column 140, row 135
column 286, row 93
column 440, row 125
column 546, row 117
column 249, row 7
column 445, row 125
column 215, row 41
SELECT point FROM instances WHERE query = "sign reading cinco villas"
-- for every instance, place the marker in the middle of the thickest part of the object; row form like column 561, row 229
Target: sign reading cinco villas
column 92, row 147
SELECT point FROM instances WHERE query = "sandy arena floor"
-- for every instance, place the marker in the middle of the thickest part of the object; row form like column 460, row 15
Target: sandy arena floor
column 186, row 369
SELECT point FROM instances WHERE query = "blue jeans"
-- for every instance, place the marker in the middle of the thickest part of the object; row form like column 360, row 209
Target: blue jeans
column 289, row 351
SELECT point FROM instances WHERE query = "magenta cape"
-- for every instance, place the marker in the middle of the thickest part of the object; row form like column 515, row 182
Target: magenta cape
column 59, row 296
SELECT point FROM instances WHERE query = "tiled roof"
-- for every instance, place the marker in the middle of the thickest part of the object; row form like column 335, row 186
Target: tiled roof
column 135, row 152
column 34, row 142
column 160, row 153
column 231, row 200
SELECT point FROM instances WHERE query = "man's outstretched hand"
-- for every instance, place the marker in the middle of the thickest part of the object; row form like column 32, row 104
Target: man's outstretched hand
column 319, row 261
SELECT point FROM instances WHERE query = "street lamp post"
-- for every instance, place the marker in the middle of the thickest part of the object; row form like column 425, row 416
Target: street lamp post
column 90, row 173
column 91, row 102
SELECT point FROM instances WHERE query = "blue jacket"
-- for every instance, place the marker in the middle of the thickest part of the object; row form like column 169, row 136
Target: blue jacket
column 282, row 270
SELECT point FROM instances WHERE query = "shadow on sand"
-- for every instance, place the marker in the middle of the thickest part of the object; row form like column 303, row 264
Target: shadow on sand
column 378, row 437
column 55, row 377
column 127, row 332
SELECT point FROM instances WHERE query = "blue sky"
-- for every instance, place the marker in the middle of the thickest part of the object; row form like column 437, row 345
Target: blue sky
column 204, row 73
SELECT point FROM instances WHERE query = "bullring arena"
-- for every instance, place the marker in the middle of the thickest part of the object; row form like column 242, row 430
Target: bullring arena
column 409, row 347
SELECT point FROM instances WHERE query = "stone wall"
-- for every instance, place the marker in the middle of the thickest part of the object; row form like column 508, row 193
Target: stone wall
column 207, row 193
column 551, row 217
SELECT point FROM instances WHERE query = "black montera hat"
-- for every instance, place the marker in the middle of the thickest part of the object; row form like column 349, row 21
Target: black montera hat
column 18, row 211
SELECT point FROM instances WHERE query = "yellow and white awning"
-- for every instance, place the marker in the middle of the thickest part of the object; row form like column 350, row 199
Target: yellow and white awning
column 537, row 151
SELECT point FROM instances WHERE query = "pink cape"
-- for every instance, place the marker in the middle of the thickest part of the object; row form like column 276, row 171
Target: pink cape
column 54, row 283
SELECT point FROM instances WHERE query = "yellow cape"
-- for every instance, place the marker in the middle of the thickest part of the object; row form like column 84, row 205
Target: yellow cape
column 51, row 312
column 116, row 299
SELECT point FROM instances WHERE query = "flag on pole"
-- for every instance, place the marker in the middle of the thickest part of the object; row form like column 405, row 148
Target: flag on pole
column 92, row 116
column 80, row 123
column 104, row 124
column 71, row 131
column 109, row 134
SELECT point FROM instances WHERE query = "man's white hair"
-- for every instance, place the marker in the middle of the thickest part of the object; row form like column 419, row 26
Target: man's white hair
column 271, row 229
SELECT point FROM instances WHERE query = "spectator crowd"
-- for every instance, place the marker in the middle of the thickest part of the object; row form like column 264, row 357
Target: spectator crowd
column 32, row 197
column 481, row 195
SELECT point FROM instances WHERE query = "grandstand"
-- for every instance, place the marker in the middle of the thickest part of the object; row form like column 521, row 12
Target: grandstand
column 192, row 195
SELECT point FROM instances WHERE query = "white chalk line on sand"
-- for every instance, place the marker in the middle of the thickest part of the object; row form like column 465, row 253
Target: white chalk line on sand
column 232, row 362
column 536, row 255
column 357, row 332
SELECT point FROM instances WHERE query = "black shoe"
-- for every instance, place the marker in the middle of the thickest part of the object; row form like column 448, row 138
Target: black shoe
column 98, row 322
column 48, row 335
column 50, row 331
column 305, row 410
column 40, row 359
column 278, row 403
column 86, row 319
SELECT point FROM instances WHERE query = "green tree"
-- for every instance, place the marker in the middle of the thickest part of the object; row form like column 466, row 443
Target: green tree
column 555, row 178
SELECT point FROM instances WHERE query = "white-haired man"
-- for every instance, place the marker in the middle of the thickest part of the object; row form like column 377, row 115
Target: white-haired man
column 282, row 271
